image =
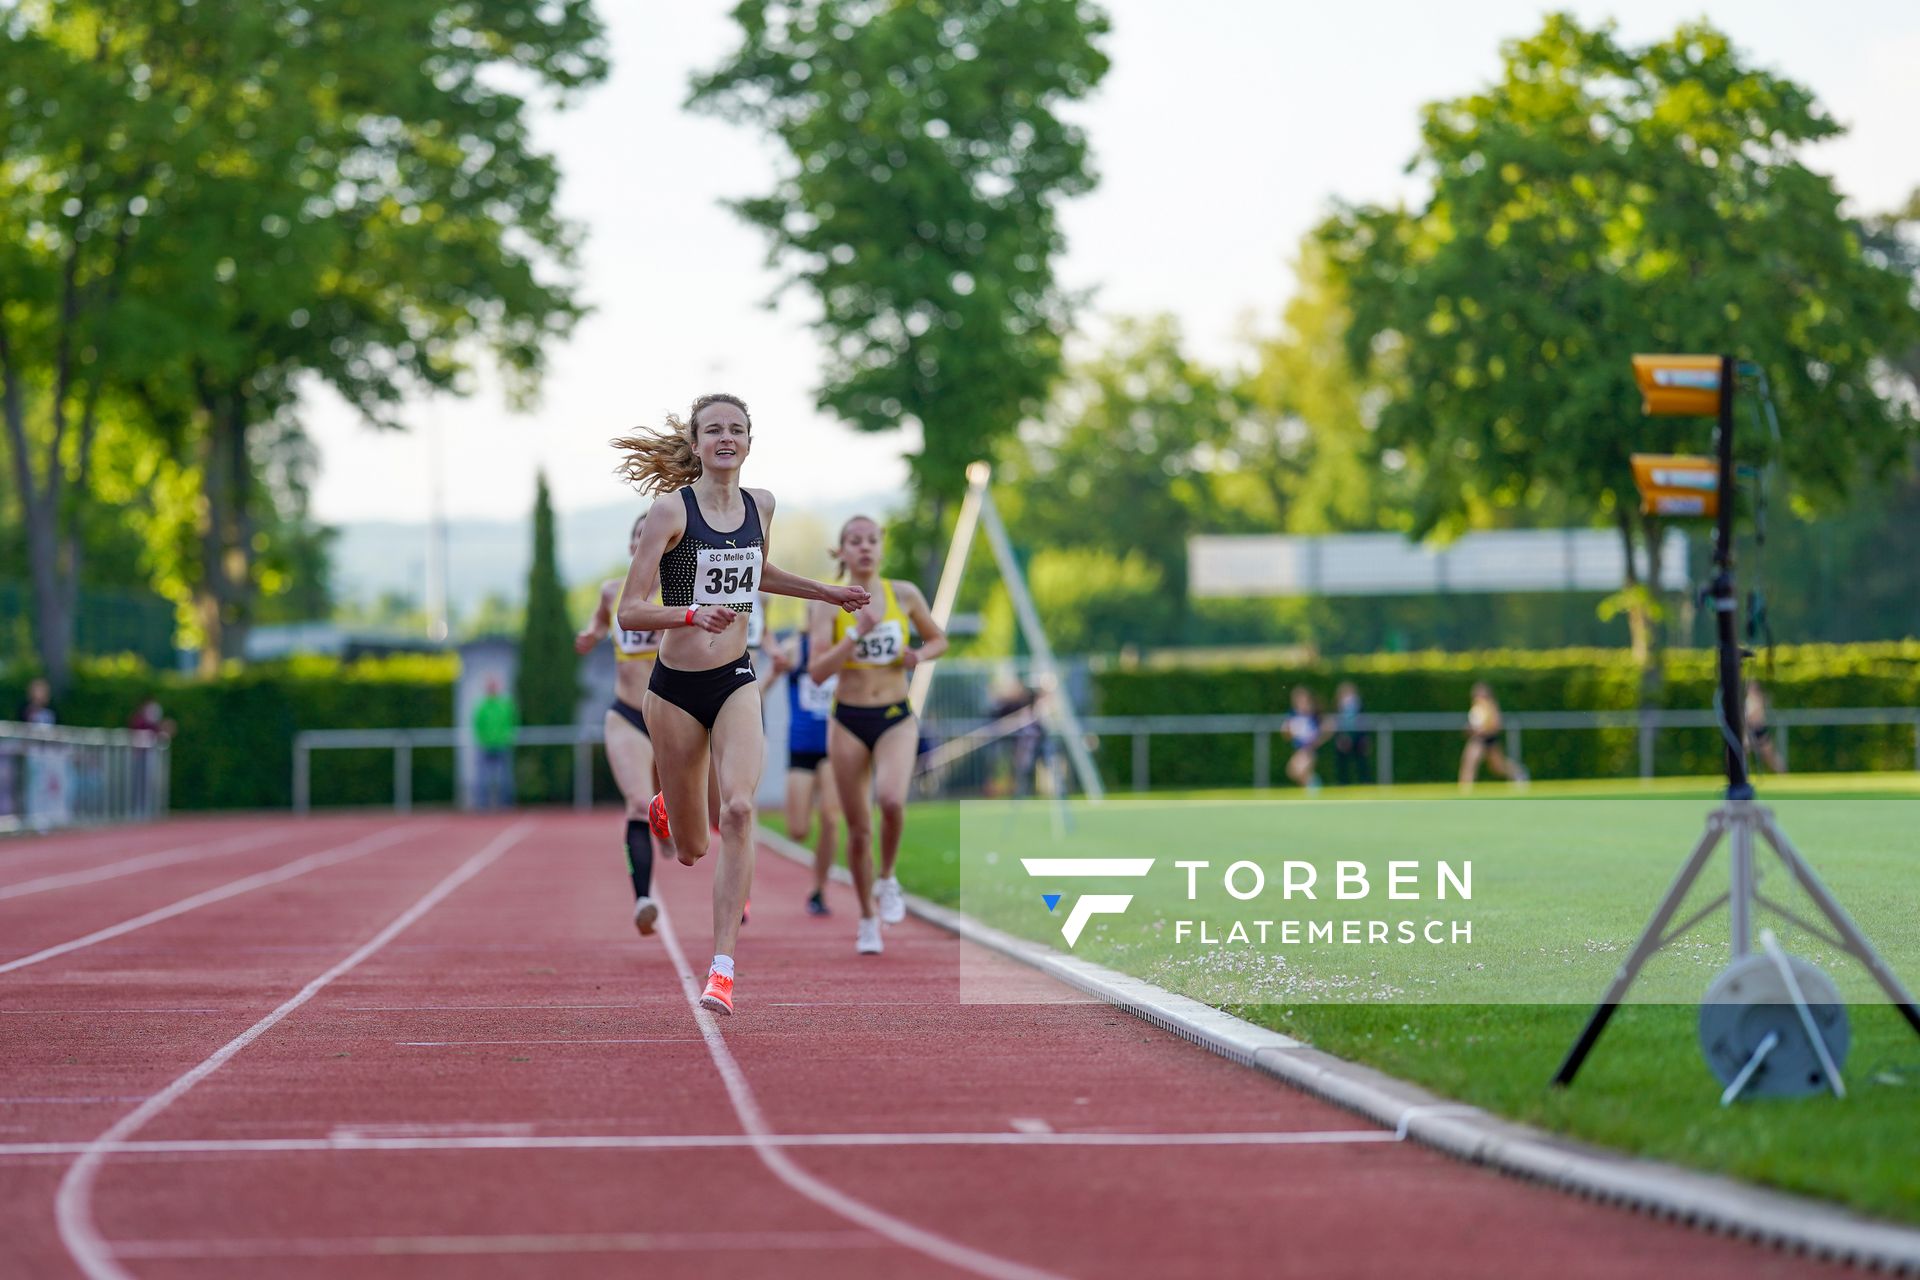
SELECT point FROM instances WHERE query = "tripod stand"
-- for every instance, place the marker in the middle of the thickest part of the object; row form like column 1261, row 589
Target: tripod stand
column 1738, row 822
column 1738, row 819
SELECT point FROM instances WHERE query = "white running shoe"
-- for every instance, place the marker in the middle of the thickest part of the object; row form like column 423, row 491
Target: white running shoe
column 891, row 903
column 867, row 941
column 645, row 912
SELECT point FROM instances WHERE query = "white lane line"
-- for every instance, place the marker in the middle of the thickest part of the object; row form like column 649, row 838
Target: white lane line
column 73, row 1209
column 612, row 1242
column 440, row 1044
column 864, row 1004
column 463, row 1008
column 35, row 848
column 233, row 888
column 747, row 1108
column 43, row 1013
column 145, row 862
column 352, row 1141
column 416, row 1129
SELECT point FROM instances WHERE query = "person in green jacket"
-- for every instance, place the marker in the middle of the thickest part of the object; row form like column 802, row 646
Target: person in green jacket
column 495, row 724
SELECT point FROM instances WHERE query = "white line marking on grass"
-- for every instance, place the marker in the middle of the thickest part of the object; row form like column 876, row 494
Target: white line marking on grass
column 73, row 1210
column 747, row 1108
column 614, row 1242
column 145, row 862
column 286, row 871
column 353, row 1141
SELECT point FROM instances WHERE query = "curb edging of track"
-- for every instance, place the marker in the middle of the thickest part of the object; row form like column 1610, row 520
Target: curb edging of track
column 1465, row 1132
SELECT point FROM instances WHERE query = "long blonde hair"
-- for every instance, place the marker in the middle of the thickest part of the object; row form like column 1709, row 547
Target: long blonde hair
column 659, row 462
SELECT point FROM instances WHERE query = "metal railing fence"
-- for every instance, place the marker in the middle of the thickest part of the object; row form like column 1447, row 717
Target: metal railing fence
column 1384, row 731
column 53, row 776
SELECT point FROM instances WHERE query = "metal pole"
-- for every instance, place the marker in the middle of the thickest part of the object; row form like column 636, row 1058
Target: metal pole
column 300, row 776
column 1740, row 900
column 403, row 776
column 1385, row 774
column 951, row 573
column 582, row 775
column 1646, row 745
column 1513, row 742
column 1732, row 709
column 1262, row 759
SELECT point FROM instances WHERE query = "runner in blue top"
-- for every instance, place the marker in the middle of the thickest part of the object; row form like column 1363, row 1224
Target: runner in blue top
column 810, row 785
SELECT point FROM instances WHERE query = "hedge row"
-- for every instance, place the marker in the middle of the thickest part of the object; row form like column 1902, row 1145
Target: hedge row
column 1806, row 676
column 234, row 743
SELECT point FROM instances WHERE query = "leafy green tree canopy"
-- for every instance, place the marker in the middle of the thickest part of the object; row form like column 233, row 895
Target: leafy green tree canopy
column 928, row 161
column 208, row 201
column 1598, row 200
column 1601, row 200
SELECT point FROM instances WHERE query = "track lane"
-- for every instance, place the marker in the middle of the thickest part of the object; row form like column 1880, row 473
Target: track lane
column 539, row 953
column 33, row 923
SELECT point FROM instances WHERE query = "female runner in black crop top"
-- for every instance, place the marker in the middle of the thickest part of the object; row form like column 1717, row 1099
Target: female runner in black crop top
column 707, row 539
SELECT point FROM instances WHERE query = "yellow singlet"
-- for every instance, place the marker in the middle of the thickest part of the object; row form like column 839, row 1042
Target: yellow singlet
column 633, row 646
column 886, row 644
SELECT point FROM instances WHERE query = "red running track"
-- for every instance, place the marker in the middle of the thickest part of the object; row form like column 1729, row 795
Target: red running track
column 434, row 1047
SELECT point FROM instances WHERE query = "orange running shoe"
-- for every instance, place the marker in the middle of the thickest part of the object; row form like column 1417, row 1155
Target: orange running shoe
column 657, row 817
column 719, row 993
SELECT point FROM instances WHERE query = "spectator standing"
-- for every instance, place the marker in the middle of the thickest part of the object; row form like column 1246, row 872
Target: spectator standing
column 21, row 762
column 496, row 723
column 150, row 718
column 38, row 708
column 1350, row 745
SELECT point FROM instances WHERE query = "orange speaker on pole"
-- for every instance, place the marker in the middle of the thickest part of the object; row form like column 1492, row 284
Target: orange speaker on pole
column 1678, row 386
column 1677, row 485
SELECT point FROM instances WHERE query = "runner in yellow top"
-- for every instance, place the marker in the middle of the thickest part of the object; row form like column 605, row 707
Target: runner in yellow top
column 873, row 739
column 629, row 748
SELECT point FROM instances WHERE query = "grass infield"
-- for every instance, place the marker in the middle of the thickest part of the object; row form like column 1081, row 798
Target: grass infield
column 1645, row 1090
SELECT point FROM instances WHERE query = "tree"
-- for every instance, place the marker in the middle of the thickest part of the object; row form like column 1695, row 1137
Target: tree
column 236, row 197
column 547, row 686
column 928, row 162
column 1128, row 459
column 1600, row 200
column 1308, row 434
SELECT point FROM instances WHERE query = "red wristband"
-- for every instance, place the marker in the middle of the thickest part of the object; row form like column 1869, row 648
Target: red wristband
column 691, row 610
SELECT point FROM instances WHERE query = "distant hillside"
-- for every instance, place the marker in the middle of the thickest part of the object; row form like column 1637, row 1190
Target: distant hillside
column 489, row 557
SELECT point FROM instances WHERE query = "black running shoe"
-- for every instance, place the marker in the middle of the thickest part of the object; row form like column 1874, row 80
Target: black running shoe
column 817, row 905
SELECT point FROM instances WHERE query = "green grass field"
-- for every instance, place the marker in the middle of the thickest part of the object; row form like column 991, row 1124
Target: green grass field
column 1593, row 858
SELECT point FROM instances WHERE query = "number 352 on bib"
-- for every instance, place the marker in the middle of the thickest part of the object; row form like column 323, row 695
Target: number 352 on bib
column 726, row 575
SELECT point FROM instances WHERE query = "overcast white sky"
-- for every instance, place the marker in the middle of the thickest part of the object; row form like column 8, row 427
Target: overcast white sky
column 1222, row 133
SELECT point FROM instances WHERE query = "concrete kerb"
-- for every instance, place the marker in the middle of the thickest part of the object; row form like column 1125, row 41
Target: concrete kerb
column 1467, row 1133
